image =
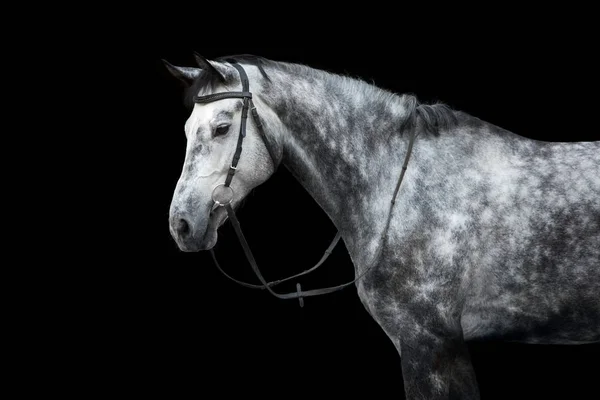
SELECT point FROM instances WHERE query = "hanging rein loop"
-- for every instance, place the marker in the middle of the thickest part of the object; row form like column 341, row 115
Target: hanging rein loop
column 223, row 195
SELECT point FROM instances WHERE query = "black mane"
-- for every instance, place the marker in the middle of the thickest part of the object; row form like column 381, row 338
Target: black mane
column 432, row 117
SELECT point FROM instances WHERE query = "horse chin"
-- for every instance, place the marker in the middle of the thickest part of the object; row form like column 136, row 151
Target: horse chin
column 209, row 241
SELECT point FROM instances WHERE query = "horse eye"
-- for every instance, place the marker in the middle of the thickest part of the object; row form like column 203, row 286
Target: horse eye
column 221, row 130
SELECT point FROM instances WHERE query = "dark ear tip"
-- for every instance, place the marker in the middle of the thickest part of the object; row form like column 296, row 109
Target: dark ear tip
column 199, row 57
column 205, row 64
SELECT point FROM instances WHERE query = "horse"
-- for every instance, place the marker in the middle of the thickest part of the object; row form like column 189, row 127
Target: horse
column 457, row 229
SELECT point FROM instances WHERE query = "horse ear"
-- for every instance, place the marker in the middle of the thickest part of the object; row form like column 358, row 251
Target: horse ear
column 208, row 66
column 186, row 75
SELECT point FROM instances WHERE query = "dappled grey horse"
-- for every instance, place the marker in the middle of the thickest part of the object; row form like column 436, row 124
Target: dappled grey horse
column 457, row 229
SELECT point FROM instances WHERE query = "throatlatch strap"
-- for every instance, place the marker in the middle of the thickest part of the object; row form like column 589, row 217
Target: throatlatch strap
column 261, row 131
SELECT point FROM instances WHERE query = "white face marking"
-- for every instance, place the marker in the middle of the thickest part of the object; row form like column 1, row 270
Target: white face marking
column 200, row 130
column 207, row 158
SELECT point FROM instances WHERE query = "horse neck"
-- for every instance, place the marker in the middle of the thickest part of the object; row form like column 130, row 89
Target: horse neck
column 342, row 141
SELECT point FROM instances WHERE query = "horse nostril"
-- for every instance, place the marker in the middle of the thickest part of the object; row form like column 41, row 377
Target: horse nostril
column 183, row 228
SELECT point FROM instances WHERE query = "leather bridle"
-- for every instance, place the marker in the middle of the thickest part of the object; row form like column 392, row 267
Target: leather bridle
column 222, row 196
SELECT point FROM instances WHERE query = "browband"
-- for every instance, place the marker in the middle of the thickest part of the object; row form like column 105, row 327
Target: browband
column 219, row 96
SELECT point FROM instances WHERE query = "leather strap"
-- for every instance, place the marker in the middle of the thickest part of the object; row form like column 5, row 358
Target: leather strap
column 261, row 131
column 299, row 294
column 209, row 98
column 329, row 250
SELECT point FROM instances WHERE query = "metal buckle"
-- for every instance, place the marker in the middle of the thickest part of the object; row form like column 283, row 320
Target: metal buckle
column 222, row 195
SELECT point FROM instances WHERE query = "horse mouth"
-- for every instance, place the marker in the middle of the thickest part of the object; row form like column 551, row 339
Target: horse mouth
column 216, row 219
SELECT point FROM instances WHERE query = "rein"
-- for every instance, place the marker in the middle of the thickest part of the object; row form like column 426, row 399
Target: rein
column 223, row 196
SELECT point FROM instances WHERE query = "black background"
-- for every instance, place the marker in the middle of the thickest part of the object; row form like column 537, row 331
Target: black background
column 170, row 323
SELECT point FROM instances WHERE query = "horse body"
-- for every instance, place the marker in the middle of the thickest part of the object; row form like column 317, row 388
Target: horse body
column 493, row 235
column 495, row 230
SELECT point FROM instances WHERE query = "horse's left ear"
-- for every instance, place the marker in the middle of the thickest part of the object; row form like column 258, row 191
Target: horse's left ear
column 185, row 75
column 206, row 65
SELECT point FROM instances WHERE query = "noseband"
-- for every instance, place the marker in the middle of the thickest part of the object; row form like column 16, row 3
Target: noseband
column 223, row 195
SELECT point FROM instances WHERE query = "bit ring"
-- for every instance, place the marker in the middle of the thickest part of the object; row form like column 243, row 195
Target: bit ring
column 222, row 195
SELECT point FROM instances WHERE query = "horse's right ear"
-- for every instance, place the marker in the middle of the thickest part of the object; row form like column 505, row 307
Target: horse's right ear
column 185, row 75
